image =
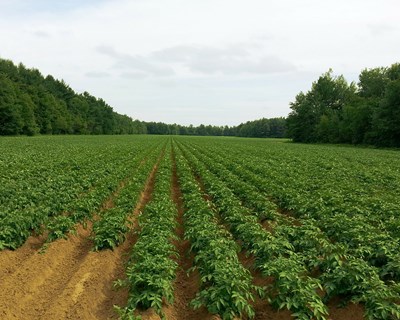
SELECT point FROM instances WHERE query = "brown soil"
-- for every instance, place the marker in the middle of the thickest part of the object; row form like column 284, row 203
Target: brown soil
column 262, row 308
column 186, row 286
column 351, row 311
column 145, row 195
column 68, row 280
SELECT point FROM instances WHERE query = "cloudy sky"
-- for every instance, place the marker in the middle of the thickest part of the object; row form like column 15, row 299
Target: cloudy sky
column 199, row 61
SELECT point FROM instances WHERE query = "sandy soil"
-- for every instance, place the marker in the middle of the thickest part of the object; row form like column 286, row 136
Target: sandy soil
column 67, row 281
column 70, row 281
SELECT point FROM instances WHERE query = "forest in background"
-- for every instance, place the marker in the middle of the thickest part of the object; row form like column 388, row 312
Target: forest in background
column 32, row 104
column 262, row 128
column 335, row 111
column 332, row 111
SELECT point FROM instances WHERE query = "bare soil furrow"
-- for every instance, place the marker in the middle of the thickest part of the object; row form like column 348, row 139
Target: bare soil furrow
column 11, row 261
column 90, row 293
column 67, row 280
column 26, row 291
column 186, row 285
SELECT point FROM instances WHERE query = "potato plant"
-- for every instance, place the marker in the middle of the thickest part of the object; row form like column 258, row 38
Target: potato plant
column 292, row 288
column 321, row 222
column 50, row 183
column 226, row 286
column 345, row 224
column 110, row 228
column 152, row 264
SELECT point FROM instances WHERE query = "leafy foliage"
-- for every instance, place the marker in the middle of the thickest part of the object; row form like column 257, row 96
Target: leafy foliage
column 152, row 268
column 334, row 111
column 47, row 183
column 274, row 253
column 110, row 229
column 321, row 222
column 338, row 212
column 31, row 103
column 226, row 287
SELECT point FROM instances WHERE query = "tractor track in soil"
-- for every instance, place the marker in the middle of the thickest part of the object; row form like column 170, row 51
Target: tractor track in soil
column 68, row 280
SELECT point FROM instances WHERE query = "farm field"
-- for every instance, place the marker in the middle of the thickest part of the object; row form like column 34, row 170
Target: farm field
column 109, row 227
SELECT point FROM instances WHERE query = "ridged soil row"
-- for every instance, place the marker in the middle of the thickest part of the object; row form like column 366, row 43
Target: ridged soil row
column 68, row 280
column 91, row 288
column 186, row 285
column 10, row 260
column 263, row 310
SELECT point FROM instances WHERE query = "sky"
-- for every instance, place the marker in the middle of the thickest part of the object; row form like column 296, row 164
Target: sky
column 219, row 62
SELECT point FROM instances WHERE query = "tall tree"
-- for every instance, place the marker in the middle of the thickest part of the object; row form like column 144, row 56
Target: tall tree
column 11, row 122
column 316, row 114
column 387, row 118
column 31, row 103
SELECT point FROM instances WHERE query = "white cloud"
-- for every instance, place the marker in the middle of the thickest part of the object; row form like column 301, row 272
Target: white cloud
column 229, row 60
column 232, row 59
column 133, row 75
column 41, row 34
column 137, row 63
column 382, row 30
column 185, row 61
column 97, row 74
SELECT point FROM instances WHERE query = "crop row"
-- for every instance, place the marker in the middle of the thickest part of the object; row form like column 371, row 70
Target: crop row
column 126, row 183
column 343, row 270
column 112, row 224
column 152, row 267
column 348, row 182
column 364, row 240
column 225, row 285
column 58, row 183
column 275, row 256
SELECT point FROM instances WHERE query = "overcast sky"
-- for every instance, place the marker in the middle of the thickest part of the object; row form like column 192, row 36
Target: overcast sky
column 199, row 61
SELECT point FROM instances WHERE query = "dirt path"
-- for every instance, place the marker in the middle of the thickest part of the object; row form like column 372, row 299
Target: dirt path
column 68, row 281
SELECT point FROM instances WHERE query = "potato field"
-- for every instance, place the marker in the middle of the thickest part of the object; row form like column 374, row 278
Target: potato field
column 157, row 227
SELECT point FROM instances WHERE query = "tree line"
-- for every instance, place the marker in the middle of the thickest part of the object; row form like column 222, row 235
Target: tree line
column 33, row 104
column 335, row 111
column 332, row 111
column 262, row 128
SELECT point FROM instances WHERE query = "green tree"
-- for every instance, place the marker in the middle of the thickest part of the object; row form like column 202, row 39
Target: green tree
column 356, row 121
column 11, row 122
column 302, row 121
column 372, row 83
column 316, row 114
column 27, row 112
column 386, row 123
column 31, row 103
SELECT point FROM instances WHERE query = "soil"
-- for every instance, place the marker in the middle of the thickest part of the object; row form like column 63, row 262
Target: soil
column 70, row 281
column 186, row 285
column 67, row 280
